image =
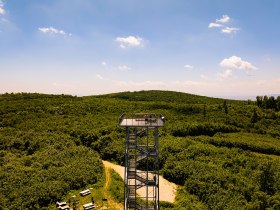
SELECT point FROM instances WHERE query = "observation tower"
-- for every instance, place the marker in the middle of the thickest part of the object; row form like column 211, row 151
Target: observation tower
column 141, row 160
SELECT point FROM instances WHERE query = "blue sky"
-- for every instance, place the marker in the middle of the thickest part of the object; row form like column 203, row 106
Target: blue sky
column 87, row 47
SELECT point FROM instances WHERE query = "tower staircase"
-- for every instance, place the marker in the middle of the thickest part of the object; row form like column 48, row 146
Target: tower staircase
column 141, row 152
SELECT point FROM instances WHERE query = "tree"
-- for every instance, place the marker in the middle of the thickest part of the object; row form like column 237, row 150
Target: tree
column 225, row 107
column 271, row 102
column 265, row 102
column 278, row 103
column 204, row 111
column 267, row 179
column 259, row 101
column 255, row 116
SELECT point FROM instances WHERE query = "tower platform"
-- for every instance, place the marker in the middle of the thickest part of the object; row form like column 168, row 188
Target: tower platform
column 142, row 120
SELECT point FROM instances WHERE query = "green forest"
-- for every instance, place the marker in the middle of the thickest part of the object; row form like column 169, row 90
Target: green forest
column 224, row 154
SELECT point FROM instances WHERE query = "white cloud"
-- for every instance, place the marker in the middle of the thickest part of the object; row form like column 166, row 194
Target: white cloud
column 130, row 41
column 2, row 10
column 215, row 25
column 226, row 74
column 52, row 30
column 123, row 68
column 222, row 23
column 224, row 19
column 235, row 62
column 229, row 30
column 98, row 76
column 104, row 63
column 189, row 67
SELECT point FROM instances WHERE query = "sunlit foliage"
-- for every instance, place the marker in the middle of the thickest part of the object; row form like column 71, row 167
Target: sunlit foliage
column 224, row 154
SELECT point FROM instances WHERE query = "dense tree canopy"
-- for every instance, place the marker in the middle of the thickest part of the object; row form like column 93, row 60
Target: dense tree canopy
column 224, row 154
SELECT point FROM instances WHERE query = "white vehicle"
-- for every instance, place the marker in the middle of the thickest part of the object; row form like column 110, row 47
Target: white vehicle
column 88, row 206
column 58, row 204
column 85, row 192
column 62, row 206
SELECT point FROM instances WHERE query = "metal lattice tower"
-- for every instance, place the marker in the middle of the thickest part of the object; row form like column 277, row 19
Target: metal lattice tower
column 141, row 160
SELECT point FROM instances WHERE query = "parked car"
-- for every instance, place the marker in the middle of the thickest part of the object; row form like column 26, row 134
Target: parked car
column 62, row 206
column 88, row 206
column 85, row 192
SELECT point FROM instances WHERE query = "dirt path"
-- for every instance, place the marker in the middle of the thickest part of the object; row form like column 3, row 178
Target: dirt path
column 112, row 205
column 167, row 190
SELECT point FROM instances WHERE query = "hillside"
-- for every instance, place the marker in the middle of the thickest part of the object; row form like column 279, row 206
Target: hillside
column 224, row 154
column 164, row 96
